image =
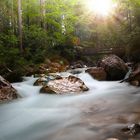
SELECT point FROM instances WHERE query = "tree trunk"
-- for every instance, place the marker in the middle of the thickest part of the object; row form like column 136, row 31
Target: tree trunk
column 27, row 16
column 42, row 12
column 20, row 26
column 129, row 18
column 12, row 16
column 12, row 25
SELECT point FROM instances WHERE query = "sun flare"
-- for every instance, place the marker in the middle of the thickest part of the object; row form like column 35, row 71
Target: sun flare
column 100, row 7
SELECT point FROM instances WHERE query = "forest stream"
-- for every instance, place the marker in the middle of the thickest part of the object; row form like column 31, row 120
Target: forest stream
column 98, row 114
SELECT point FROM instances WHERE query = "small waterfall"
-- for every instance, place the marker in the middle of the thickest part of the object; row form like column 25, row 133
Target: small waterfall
column 128, row 73
column 26, row 88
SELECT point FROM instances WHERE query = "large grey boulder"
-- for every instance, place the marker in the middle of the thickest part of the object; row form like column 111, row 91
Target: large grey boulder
column 114, row 66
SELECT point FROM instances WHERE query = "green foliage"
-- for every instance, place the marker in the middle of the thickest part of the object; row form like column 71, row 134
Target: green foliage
column 59, row 23
column 11, row 58
column 35, row 43
column 66, row 51
column 135, row 37
column 35, row 37
column 8, row 40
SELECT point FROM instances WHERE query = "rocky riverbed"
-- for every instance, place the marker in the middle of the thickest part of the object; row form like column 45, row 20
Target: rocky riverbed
column 101, row 113
column 78, row 104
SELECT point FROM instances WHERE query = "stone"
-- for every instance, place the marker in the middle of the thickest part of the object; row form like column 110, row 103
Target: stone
column 14, row 76
column 77, row 64
column 46, row 89
column 31, row 70
column 7, row 92
column 114, row 66
column 97, row 73
column 65, row 85
column 132, row 130
column 39, row 75
column 75, row 71
column 42, row 81
column 135, row 83
column 134, row 78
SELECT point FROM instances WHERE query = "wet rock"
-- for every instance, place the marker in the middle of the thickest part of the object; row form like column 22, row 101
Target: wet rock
column 31, row 70
column 75, row 71
column 46, row 89
column 53, row 67
column 129, row 64
column 77, row 64
column 97, row 73
column 132, row 130
column 14, row 76
column 135, row 83
column 134, row 77
column 64, row 85
column 43, row 69
column 7, row 92
column 42, row 81
column 88, row 61
column 114, row 67
column 39, row 75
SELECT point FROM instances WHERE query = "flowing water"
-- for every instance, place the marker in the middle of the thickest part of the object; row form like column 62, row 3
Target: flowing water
column 98, row 114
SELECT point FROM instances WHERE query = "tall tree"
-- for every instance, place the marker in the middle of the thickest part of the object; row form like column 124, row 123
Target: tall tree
column 20, row 26
column 42, row 12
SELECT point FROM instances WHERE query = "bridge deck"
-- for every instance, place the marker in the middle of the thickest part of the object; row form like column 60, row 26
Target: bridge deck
column 92, row 51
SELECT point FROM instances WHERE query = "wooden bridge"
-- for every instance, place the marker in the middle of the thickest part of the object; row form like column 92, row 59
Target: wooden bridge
column 90, row 51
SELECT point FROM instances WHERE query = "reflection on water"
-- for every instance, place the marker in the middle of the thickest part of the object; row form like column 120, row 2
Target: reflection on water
column 96, row 115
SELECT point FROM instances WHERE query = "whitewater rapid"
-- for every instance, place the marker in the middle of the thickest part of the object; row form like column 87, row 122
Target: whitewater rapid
column 98, row 114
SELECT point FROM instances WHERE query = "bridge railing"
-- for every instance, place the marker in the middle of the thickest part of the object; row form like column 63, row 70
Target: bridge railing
column 92, row 51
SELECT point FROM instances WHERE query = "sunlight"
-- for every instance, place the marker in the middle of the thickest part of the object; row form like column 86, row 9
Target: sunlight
column 100, row 7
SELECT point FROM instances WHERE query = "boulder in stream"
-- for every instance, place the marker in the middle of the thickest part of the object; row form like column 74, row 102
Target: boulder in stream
column 134, row 77
column 77, row 64
column 7, row 92
column 64, row 85
column 43, row 80
column 51, row 67
column 114, row 66
column 97, row 73
column 132, row 130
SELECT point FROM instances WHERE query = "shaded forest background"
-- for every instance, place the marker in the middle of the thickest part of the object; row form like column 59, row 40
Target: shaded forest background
column 33, row 31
